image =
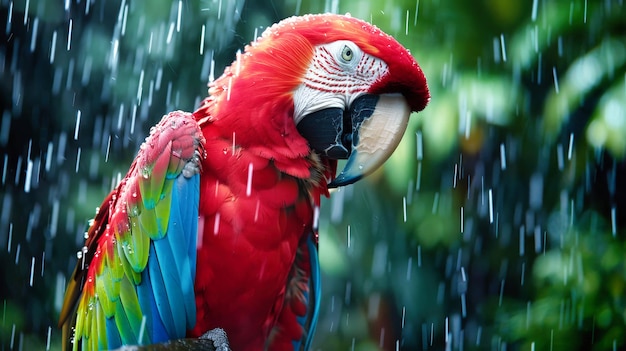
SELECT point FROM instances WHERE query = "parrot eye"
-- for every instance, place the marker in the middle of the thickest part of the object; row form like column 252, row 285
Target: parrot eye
column 347, row 54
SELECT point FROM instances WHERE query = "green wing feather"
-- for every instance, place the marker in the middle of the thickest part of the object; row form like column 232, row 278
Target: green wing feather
column 112, row 297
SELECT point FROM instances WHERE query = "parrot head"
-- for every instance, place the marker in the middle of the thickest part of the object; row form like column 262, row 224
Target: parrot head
column 331, row 83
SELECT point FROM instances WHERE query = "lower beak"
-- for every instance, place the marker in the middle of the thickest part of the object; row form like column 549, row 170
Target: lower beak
column 366, row 134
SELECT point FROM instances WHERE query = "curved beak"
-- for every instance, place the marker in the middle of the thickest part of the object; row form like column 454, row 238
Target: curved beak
column 365, row 134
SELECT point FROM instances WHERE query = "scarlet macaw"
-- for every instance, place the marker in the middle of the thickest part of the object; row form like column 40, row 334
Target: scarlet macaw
column 215, row 223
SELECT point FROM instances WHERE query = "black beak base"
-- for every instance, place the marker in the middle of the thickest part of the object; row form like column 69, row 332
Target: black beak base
column 324, row 130
column 333, row 132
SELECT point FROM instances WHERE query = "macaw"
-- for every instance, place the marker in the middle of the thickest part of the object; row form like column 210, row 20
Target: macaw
column 215, row 223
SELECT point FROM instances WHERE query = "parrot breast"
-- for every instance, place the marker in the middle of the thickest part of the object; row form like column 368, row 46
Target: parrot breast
column 253, row 216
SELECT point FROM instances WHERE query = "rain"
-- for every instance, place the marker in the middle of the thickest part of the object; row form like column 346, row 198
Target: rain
column 498, row 223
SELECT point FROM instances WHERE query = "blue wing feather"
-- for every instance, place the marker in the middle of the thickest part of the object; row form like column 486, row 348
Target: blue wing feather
column 312, row 297
column 154, row 330
column 159, row 292
column 170, row 280
column 172, row 300
column 315, row 286
column 113, row 335
column 181, row 235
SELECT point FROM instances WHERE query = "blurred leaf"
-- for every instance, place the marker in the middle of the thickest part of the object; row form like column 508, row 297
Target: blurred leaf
column 585, row 74
column 608, row 125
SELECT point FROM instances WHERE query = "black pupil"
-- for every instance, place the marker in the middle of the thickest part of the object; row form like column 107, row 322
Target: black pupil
column 348, row 52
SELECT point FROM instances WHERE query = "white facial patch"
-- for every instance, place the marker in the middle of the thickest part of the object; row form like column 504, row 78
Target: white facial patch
column 339, row 73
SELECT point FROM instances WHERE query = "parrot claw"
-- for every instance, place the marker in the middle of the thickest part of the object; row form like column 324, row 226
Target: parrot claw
column 219, row 339
column 192, row 167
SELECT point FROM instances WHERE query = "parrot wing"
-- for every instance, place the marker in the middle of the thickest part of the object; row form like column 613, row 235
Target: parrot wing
column 295, row 325
column 134, row 281
column 309, row 320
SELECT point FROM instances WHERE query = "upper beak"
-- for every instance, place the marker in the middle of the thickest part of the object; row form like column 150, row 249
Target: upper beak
column 366, row 133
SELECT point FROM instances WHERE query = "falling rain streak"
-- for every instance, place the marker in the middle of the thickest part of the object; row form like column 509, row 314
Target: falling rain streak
column 556, row 80
column 32, row 270
column 503, row 47
column 406, row 23
column 570, row 149
column 249, row 181
column 490, row 206
column 26, row 11
column 404, row 208
column 179, row 15
column 77, row 126
column 462, row 219
column 202, row 34
column 33, row 39
column 613, row 221
column 69, row 35
column 53, row 46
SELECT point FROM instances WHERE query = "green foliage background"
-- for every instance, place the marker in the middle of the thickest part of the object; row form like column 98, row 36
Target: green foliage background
column 497, row 224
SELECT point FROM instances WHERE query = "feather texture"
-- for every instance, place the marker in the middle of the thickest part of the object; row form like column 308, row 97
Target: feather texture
column 134, row 281
column 306, row 285
column 315, row 293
